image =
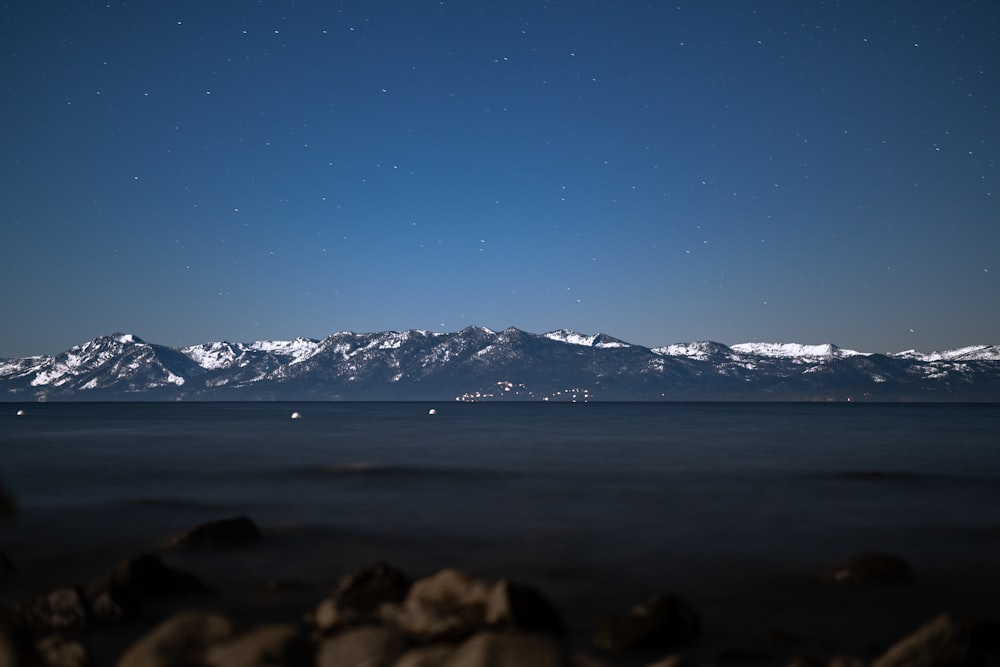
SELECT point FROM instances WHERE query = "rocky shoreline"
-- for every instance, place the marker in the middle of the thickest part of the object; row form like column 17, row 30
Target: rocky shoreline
column 147, row 612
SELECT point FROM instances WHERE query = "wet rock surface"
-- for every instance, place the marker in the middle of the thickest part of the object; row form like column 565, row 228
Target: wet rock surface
column 234, row 532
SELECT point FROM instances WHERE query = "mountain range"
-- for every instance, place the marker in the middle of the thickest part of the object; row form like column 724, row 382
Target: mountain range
column 477, row 364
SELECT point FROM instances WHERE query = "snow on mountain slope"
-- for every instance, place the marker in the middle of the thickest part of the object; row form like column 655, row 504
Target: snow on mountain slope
column 213, row 356
column 296, row 350
column 699, row 350
column 795, row 350
column 418, row 365
column 970, row 353
column 574, row 338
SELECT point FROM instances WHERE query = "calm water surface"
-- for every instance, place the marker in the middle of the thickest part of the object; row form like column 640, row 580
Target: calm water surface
column 609, row 482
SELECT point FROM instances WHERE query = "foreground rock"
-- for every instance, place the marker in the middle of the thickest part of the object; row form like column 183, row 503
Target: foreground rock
column 452, row 605
column 508, row 649
column 62, row 609
column 238, row 531
column 946, row 641
column 58, row 651
column 368, row 645
column 180, row 641
column 663, row 621
column 871, row 568
column 448, row 606
column 358, row 596
column 143, row 579
column 117, row 595
column 282, row 644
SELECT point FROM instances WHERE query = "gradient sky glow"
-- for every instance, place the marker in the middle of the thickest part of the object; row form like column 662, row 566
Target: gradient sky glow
column 663, row 172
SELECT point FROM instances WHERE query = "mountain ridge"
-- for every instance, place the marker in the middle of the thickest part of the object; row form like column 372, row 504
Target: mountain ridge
column 477, row 363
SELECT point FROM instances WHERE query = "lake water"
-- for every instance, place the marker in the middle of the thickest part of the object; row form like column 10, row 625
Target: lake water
column 634, row 490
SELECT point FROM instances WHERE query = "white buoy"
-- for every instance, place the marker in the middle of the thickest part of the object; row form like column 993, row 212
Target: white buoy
column 20, row 413
column 432, row 411
column 296, row 415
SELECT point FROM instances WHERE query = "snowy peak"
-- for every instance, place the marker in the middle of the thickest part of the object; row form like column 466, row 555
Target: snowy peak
column 700, row 350
column 481, row 364
column 971, row 353
column 223, row 354
column 794, row 350
column 213, row 356
column 295, row 351
column 574, row 338
column 122, row 360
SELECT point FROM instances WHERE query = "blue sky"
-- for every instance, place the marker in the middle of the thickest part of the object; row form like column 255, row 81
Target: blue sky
column 661, row 172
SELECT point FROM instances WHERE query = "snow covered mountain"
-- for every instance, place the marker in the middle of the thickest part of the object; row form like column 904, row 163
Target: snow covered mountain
column 479, row 364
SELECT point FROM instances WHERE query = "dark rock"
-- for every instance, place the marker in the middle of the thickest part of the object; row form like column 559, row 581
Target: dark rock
column 62, row 609
column 946, row 641
column 359, row 595
column 670, row 661
column 182, row 640
column 57, row 651
column 871, row 568
column 284, row 644
column 145, row 578
column 367, row 645
column 523, row 607
column 449, row 605
column 508, row 649
column 453, row 605
column 6, row 565
column 430, row 655
column 662, row 621
column 235, row 532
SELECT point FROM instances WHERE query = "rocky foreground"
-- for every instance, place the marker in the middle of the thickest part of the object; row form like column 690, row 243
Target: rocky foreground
column 144, row 613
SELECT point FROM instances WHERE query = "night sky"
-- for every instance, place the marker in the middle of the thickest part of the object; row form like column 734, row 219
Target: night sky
column 663, row 172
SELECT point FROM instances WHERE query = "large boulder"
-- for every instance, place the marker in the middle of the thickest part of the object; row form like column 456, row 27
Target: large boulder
column 429, row 655
column 362, row 646
column 283, row 644
column 515, row 605
column 58, row 651
column 508, row 649
column 453, row 605
column 144, row 578
column 237, row 531
column 664, row 621
column 61, row 609
column 182, row 640
column 946, row 641
column 358, row 596
column 871, row 568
